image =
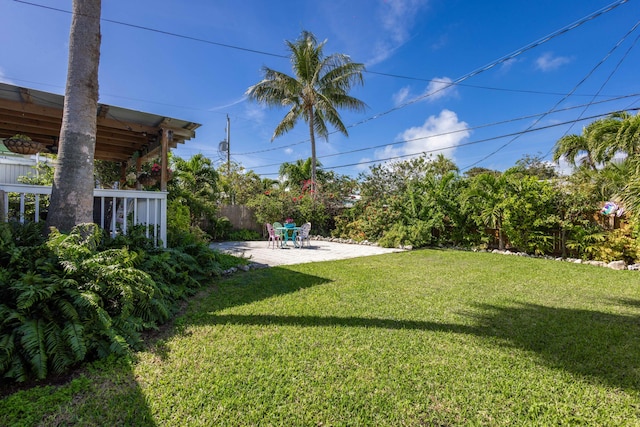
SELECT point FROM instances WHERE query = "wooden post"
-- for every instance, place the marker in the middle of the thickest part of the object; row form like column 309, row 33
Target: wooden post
column 138, row 170
column 3, row 207
column 164, row 159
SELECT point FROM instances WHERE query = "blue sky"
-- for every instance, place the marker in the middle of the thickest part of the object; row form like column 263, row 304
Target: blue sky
column 516, row 66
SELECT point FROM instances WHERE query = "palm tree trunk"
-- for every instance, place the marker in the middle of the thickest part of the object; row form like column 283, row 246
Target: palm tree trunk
column 501, row 244
column 312, row 136
column 72, row 192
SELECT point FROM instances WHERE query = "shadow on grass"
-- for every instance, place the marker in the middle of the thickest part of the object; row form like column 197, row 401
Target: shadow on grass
column 111, row 395
column 597, row 346
column 603, row 347
column 255, row 286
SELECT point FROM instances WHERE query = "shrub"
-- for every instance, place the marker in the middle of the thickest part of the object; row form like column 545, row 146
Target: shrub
column 244, row 235
column 82, row 295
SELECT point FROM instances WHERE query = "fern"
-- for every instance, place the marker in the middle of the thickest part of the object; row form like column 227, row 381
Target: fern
column 33, row 343
column 73, row 333
column 32, row 289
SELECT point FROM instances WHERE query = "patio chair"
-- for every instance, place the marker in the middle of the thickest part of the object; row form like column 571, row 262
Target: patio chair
column 276, row 226
column 273, row 236
column 303, row 235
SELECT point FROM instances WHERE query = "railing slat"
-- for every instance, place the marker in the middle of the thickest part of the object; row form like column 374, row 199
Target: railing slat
column 158, row 220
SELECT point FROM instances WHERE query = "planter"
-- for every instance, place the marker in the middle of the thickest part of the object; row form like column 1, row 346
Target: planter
column 158, row 174
column 23, row 146
column 290, row 225
column 147, row 180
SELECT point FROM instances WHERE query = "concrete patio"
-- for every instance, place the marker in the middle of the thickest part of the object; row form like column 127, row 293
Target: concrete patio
column 319, row 250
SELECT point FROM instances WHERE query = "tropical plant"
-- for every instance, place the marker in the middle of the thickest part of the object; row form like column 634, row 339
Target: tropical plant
column 484, row 199
column 320, row 85
column 81, row 295
column 195, row 184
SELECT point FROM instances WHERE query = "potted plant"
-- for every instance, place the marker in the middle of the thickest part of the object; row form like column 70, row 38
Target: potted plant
column 22, row 144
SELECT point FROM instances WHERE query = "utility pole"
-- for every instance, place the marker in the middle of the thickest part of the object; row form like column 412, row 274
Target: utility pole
column 228, row 146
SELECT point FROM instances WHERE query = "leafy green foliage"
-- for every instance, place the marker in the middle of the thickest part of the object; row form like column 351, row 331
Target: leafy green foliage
column 82, row 295
column 244, row 235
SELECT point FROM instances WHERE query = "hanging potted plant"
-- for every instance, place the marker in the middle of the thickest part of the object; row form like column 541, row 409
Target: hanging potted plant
column 156, row 172
column 146, row 179
column 22, row 144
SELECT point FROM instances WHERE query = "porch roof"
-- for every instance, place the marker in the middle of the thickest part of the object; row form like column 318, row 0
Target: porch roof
column 121, row 133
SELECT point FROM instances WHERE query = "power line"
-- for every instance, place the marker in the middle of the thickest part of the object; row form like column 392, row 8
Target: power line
column 493, row 88
column 528, row 130
column 584, row 79
column 167, row 33
column 460, row 130
column 477, row 71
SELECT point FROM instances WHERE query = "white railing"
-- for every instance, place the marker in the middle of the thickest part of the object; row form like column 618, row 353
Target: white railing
column 113, row 210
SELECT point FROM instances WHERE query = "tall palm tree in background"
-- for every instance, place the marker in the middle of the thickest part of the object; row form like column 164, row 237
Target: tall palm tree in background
column 319, row 86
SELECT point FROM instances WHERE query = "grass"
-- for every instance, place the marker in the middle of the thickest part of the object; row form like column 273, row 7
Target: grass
column 420, row 338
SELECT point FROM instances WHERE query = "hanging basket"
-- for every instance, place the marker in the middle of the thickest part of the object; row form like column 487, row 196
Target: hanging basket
column 23, row 146
column 157, row 174
column 147, row 180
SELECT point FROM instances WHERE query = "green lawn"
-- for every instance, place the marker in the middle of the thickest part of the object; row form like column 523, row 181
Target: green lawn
column 422, row 338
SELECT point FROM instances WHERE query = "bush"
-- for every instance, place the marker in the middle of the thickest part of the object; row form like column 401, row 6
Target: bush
column 244, row 235
column 80, row 296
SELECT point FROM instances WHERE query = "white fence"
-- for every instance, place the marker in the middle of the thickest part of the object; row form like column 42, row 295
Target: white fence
column 113, row 210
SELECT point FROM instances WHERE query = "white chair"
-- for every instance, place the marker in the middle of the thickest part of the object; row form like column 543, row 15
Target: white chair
column 273, row 236
column 303, row 234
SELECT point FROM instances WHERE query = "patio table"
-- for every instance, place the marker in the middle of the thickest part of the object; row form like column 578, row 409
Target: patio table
column 288, row 233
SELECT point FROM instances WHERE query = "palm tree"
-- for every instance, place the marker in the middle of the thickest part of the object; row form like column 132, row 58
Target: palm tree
column 573, row 146
column 196, row 183
column 319, row 87
column 628, row 134
column 72, row 191
column 602, row 140
column 485, row 200
column 296, row 173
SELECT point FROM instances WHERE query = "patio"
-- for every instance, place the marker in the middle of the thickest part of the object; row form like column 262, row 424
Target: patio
column 319, row 250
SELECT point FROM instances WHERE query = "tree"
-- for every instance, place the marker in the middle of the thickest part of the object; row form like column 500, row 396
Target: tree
column 72, row 191
column 196, row 183
column 441, row 165
column 319, row 87
column 238, row 185
column 484, row 199
column 295, row 174
column 627, row 137
column 534, row 166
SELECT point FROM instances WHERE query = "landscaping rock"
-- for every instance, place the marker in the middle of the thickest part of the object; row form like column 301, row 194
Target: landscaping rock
column 596, row 263
column 617, row 265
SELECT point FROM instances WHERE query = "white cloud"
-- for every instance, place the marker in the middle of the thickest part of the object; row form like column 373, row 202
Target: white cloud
column 437, row 88
column 547, row 62
column 222, row 107
column 438, row 135
column 255, row 112
column 506, row 66
column 400, row 96
column 397, row 18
